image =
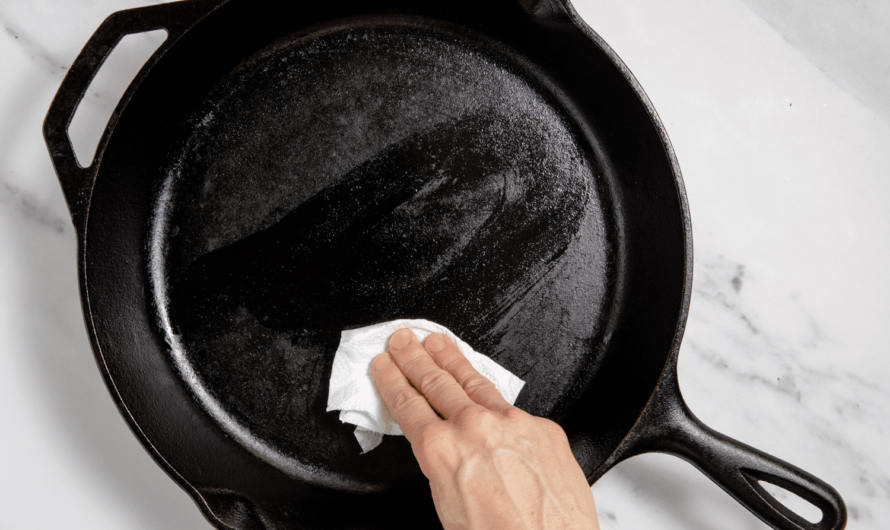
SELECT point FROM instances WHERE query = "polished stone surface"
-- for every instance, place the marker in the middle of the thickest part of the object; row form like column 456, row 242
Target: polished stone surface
column 782, row 136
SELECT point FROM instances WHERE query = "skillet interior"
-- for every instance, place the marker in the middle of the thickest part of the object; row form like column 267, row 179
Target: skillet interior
column 632, row 196
column 364, row 171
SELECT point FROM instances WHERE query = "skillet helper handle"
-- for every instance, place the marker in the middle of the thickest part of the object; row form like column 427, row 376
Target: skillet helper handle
column 77, row 181
column 670, row 427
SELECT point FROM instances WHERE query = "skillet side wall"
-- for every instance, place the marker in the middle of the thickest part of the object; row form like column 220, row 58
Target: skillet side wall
column 234, row 485
column 655, row 267
column 650, row 308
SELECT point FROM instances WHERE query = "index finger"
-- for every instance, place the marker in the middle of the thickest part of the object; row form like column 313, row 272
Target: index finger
column 408, row 407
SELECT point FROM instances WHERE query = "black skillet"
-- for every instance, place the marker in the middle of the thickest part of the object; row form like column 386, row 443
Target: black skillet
column 280, row 171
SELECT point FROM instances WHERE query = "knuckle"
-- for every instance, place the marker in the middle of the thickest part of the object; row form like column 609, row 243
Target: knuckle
column 403, row 400
column 475, row 418
column 476, row 382
column 454, row 365
column 433, row 380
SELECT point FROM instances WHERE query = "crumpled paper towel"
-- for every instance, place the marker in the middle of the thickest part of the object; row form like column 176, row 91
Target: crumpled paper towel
column 352, row 389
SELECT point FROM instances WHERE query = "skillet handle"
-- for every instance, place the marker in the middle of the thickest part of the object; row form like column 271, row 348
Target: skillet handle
column 77, row 181
column 668, row 426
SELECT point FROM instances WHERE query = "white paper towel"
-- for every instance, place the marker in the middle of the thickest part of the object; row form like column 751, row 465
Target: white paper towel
column 352, row 389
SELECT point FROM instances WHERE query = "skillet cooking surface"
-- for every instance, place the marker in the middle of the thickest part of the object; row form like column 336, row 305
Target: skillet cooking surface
column 374, row 169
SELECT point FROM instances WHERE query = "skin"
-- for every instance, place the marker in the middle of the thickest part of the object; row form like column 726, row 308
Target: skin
column 491, row 466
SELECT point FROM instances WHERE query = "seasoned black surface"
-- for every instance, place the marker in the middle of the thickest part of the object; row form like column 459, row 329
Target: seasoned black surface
column 367, row 172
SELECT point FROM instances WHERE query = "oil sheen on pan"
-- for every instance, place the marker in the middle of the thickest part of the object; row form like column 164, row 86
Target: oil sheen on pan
column 365, row 172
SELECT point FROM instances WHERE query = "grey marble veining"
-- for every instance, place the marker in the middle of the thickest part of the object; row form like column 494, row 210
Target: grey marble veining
column 788, row 175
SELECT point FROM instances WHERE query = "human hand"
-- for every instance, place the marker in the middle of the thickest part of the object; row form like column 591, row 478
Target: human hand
column 491, row 466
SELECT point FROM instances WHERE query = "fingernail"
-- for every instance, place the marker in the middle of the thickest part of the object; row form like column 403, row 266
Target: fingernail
column 434, row 343
column 381, row 361
column 400, row 339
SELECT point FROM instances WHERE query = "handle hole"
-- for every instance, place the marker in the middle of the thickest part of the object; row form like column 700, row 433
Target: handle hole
column 106, row 90
column 793, row 502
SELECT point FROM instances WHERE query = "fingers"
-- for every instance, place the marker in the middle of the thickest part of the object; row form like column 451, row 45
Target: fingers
column 438, row 386
column 447, row 356
column 408, row 407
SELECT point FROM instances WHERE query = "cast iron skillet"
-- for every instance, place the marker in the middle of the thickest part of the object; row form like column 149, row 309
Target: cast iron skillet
column 281, row 171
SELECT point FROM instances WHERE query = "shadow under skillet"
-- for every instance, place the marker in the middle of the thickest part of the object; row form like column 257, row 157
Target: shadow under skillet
column 489, row 223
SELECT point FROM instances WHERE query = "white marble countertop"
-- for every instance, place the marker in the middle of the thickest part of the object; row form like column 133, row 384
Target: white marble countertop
column 780, row 116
